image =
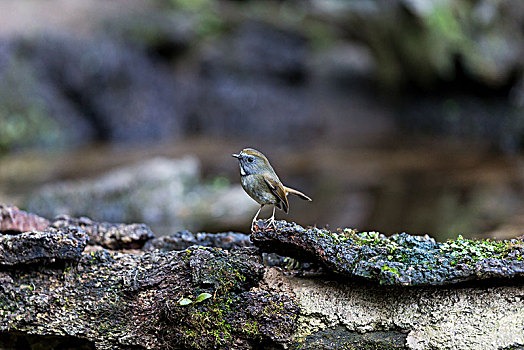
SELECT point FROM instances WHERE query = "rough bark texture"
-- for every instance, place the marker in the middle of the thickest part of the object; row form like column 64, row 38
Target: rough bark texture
column 184, row 239
column 14, row 219
column 54, row 294
column 401, row 259
column 120, row 301
column 107, row 235
column 49, row 246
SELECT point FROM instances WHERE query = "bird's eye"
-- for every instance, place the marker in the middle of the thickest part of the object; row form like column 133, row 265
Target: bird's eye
column 251, row 159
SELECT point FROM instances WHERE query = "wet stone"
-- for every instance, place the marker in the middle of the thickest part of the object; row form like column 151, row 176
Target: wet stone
column 401, row 259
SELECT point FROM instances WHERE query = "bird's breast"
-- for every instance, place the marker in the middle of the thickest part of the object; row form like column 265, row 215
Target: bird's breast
column 256, row 188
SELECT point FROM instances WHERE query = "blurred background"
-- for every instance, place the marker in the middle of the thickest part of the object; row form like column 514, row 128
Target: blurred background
column 393, row 115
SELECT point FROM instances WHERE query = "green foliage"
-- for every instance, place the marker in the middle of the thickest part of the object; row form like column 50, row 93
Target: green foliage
column 422, row 44
column 367, row 238
column 202, row 296
column 185, row 301
column 291, row 264
column 191, row 5
column 24, row 120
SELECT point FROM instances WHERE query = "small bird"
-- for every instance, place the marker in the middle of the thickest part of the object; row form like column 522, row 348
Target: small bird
column 261, row 183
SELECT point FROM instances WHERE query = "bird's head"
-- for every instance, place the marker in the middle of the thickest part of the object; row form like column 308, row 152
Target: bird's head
column 252, row 162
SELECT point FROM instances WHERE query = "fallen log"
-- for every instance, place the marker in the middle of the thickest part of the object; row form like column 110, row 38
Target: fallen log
column 74, row 292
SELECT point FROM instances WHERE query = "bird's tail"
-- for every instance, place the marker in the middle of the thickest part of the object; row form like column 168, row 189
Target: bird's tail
column 297, row 193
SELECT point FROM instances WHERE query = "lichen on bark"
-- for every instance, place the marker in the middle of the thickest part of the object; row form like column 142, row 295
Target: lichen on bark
column 401, row 259
column 118, row 300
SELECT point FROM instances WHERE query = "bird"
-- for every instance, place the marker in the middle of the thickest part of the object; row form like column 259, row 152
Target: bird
column 261, row 183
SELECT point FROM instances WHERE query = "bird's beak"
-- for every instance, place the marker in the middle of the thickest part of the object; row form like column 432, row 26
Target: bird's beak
column 236, row 156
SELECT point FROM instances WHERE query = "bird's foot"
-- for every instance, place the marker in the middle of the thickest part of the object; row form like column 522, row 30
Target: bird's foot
column 270, row 223
column 265, row 225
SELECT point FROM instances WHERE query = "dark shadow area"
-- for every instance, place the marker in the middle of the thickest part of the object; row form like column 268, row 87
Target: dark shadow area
column 22, row 341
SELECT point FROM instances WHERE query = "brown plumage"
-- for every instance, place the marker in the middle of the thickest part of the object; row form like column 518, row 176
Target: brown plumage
column 261, row 183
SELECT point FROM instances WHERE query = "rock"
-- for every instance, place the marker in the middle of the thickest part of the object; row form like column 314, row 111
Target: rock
column 118, row 90
column 49, row 246
column 401, row 259
column 268, row 51
column 257, row 73
column 107, row 235
column 334, row 338
column 233, row 105
column 43, row 342
column 185, row 239
column 336, row 313
column 16, row 220
column 161, row 192
column 163, row 35
column 225, row 240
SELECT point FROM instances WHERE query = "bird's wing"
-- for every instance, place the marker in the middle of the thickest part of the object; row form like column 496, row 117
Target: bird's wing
column 278, row 190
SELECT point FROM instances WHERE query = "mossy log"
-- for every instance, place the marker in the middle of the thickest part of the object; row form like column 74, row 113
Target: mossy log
column 115, row 300
column 75, row 294
column 401, row 259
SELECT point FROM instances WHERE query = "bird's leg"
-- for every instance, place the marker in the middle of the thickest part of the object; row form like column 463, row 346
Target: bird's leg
column 271, row 220
column 255, row 218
